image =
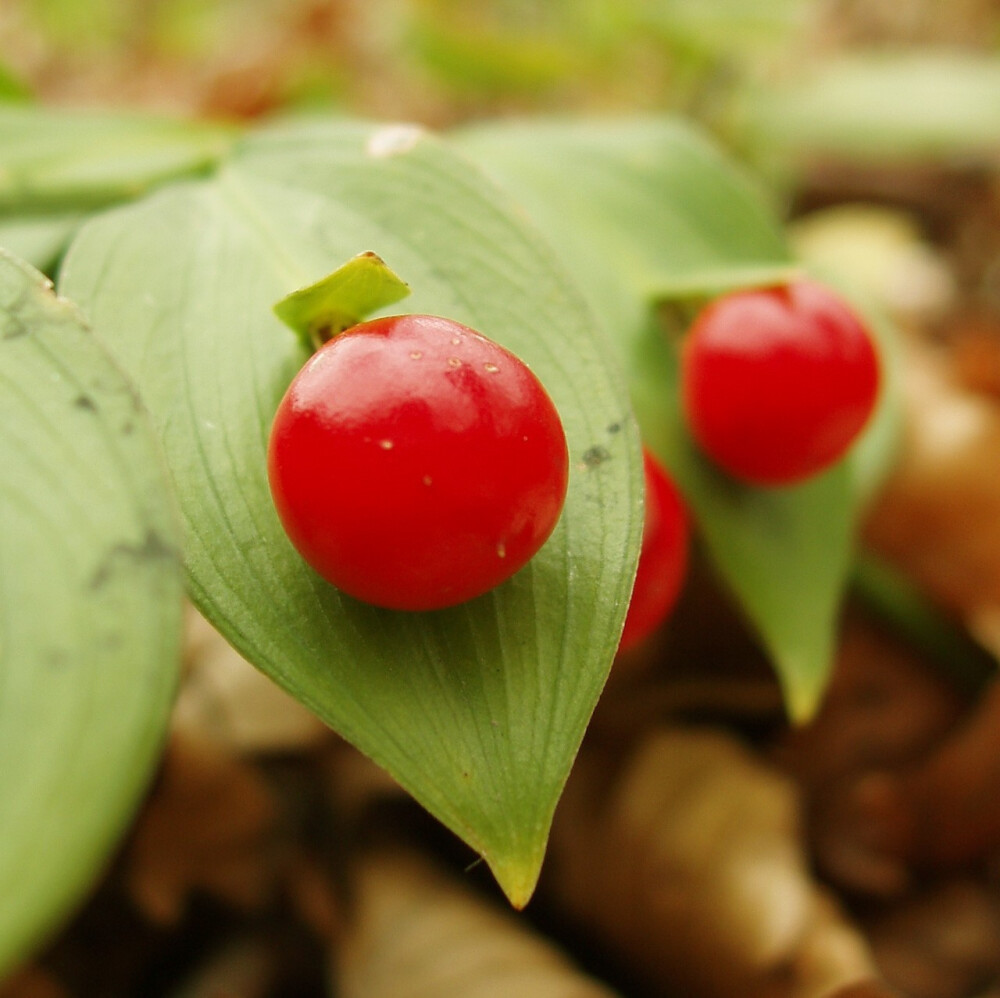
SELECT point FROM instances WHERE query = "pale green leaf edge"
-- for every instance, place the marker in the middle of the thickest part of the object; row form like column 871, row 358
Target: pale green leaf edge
column 101, row 696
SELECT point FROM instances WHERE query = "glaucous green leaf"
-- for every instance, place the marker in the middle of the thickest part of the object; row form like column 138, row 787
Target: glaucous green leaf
column 477, row 710
column 645, row 212
column 52, row 158
column 639, row 210
column 90, row 607
column 883, row 106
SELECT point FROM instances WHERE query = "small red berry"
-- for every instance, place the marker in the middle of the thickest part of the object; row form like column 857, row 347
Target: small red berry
column 415, row 464
column 663, row 558
column 778, row 382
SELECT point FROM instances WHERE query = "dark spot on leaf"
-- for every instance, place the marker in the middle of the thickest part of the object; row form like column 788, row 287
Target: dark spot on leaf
column 615, row 428
column 596, row 456
column 111, row 642
column 15, row 329
column 122, row 556
column 112, row 385
column 86, row 403
column 57, row 658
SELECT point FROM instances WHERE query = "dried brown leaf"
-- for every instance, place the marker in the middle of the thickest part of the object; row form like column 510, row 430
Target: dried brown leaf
column 355, row 783
column 942, row 942
column 688, row 862
column 831, row 954
column 314, row 897
column 955, row 793
column 881, row 251
column 32, row 982
column 938, row 518
column 211, row 824
column 878, row 825
column 227, row 700
column 864, row 989
column 244, row 969
column 884, row 706
column 885, row 710
column 943, row 811
column 976, row 354
column 418, row 934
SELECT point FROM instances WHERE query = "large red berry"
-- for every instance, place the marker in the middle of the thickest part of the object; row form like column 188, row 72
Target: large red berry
column 416, row 464
column 778, row 382
column 663, row 558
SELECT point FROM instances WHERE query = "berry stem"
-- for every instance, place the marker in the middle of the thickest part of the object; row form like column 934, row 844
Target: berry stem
column 340, row 300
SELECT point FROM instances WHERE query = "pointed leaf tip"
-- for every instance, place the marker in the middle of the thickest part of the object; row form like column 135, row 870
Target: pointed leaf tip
column 802, row 698
column 343, row 298
column 518, row 876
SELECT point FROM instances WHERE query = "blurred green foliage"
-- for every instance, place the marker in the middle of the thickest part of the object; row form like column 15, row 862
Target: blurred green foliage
column 885, row 106
column 781, row 80
column 11, row 87
column 766, row 73
column 525, row 54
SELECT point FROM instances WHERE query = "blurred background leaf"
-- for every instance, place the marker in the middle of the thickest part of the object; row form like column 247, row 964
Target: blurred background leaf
column 883, row 106
column 57, row 160
column 12, row 88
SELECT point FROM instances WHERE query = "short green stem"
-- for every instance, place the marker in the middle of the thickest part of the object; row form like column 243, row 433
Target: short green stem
column 340, row 300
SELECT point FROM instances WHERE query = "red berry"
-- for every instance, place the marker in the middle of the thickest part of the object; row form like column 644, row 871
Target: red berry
column 663, row 558
column 416, row 464
column 778, row 382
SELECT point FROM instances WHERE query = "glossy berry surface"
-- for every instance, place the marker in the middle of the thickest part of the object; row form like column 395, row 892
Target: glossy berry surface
column 416, row 464
column 663, row 558
column 777, row 383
